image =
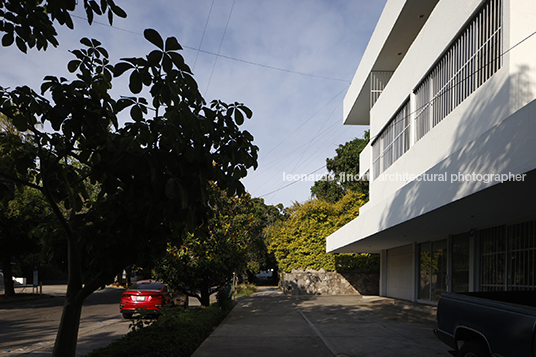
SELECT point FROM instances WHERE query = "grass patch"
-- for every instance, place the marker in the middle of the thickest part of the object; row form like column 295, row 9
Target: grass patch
column 245, row 289
column 177, row 333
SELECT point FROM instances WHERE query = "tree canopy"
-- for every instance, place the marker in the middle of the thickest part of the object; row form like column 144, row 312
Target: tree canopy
column 31, row 23
column 300, row 241
column 343, row 172
column 151, row 174
column 20, row 219
column 235, row 244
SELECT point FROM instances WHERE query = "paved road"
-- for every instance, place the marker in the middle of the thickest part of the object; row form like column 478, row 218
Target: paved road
column 31, row 326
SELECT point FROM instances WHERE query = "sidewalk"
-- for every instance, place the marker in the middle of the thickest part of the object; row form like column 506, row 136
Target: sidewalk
column 270, row 323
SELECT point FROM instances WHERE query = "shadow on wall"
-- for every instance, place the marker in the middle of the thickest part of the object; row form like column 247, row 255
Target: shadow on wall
column 509, row 145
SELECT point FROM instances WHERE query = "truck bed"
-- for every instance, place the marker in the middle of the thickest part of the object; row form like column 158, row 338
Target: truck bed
column 503, row 321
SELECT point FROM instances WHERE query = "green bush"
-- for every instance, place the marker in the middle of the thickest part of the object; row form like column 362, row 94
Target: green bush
column 245, row 289
column 177, row 333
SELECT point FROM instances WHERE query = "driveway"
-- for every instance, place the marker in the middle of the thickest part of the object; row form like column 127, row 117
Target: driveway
column 270, row 323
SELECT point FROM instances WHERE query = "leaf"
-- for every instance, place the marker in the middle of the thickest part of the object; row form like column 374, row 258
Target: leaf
column 73, row 65
column 7, row 39
column 20, row 123
column 122, row 104
column 136, row 114
column 239, row 117
column 135, row 84
column 118, row 11
column 154, row 57
column 246, row 110
column 170, row 188
column 172, row 44
column 154, row 37
column 121, row 68
column 86, row 42
column 21, row 44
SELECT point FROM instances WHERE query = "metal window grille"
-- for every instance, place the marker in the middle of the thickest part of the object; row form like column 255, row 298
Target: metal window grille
column 469, row 62
column 509, row 257
column 378, row 81
column 393, row 141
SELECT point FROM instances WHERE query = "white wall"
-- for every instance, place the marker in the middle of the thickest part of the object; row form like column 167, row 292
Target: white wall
column 400, row 273
column 512, row 87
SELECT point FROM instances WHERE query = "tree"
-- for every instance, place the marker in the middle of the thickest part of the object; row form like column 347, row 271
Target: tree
column 19, row 219
column 300, row 241
column 31, row 23
column 344, row 172
column 152, row 173
column 235, row 243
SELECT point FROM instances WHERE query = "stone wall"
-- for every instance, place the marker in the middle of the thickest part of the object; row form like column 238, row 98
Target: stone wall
column 312, row 282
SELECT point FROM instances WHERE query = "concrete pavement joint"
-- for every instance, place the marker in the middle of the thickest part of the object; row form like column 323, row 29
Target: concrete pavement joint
column 324, row 340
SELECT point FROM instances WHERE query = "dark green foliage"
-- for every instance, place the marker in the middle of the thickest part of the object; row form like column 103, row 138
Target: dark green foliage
column 344, row 172
column 233, row 242
column 120, row 194
column 177, row 333
column 30, row 23
column 357, row 263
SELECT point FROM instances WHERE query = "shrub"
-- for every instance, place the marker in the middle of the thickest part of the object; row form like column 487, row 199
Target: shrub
column 177, row 333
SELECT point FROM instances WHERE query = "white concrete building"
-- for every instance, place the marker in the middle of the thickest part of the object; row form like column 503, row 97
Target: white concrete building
column 448, row 89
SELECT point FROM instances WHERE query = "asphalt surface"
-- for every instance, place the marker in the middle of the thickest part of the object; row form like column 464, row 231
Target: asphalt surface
column 267, row 323
column 28, row 328
column 270, row 323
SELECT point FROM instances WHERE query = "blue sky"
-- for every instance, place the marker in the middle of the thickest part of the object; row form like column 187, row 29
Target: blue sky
column 290, row 61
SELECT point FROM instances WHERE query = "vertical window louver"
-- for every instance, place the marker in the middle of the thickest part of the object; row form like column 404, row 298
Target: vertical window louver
column 469, row 62
column 393, row 141
column 378, row 81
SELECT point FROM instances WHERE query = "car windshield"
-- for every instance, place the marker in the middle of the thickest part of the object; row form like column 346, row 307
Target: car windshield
column 146, row 286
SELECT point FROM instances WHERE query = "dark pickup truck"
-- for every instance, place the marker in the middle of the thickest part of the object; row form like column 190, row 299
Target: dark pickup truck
column 486, row 324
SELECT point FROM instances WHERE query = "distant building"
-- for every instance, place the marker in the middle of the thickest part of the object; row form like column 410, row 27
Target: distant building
column 448, row 89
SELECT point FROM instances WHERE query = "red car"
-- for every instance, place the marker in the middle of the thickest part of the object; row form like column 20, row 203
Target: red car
column 148, row 295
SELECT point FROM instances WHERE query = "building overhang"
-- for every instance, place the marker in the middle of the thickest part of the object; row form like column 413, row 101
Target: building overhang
column 398, row 26
column 503, row 203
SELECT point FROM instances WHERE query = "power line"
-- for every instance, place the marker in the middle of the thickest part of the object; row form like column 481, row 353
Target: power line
column 198, row 50
column 290, row 184
column 203, row 36
column 219, row 48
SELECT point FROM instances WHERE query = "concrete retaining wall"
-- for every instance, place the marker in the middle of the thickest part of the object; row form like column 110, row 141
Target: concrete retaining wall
column 312, row 282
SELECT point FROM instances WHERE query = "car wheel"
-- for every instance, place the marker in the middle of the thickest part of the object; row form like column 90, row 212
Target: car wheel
column 127, row 315
column 474, row 349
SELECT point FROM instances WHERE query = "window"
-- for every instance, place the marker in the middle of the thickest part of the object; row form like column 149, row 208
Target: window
column 432, row 270
column 393, row 141
column 460, row 263
column 509, row 257
column 469, row 62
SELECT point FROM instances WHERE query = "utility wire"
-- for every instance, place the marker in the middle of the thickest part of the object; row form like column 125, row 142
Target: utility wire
column 461, row 81
column 203, row 36
column 198, row 50
column 290, row 184
column 219, row 48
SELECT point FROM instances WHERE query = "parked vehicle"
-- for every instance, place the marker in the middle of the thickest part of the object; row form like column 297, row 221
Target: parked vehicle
column 145, row 295
column 486, row 324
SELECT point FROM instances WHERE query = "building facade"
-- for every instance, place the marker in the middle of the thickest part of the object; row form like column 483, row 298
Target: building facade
column 447, row 88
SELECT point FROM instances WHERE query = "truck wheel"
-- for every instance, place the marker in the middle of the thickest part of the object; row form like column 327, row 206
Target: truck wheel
column 474, row 349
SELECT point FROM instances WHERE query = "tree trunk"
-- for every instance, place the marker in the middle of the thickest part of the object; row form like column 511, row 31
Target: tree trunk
column 9, row 287
column 205, row 294
column 67, row 336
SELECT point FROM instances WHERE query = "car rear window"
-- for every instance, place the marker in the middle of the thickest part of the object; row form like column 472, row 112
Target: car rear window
column 146, row 286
